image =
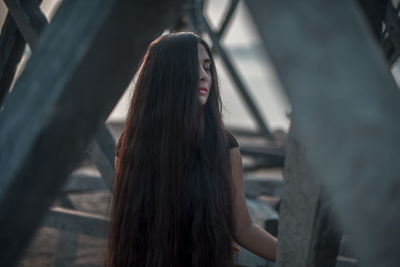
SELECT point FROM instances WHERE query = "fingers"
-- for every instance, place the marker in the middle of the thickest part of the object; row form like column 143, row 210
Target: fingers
column 236, row 248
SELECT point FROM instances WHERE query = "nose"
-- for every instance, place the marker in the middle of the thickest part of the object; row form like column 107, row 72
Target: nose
column 203, row 74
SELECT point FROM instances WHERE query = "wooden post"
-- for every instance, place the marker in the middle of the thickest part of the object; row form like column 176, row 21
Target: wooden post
column 11, row 49
column 308, row 236
column 346, row 114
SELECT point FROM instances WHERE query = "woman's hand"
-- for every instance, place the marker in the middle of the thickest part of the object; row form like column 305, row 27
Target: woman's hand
column 235, row 247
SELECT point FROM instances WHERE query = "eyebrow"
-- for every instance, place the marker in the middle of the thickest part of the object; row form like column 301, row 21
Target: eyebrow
column 207, row 60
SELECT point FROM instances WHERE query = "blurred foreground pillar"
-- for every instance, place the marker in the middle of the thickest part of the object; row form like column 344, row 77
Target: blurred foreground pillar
column 346, row 111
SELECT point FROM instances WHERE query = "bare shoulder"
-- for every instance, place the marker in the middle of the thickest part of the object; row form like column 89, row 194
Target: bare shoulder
column 235, row 153
column 236, row 164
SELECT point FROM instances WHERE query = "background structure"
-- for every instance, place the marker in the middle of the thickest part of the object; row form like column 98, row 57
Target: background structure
column 59, row 119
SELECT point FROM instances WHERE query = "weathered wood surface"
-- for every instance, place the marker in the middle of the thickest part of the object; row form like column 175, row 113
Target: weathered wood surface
column 76, row 222
column 79, row 183
column 101, row 151
column 227, row 18
column 374, row 11
column 41, row 141
column 254, row 187
column 263, row 157
column 12, row 46
column 346, row 111
column 67, row 248
column 307, row 235
column 28, row 17
column 31, row 22
column 391, row 42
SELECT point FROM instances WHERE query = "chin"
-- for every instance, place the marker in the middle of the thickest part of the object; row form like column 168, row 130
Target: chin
column 202, row 100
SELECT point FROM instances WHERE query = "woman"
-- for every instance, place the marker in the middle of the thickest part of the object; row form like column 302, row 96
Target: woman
column 178, row 192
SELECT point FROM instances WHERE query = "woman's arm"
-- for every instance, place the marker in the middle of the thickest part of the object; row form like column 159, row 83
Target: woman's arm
column 246, row 233
column 116, row 162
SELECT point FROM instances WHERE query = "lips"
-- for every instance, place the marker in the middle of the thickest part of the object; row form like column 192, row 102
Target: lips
column 203, row 90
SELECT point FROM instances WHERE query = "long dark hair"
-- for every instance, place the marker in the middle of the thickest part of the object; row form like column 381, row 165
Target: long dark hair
column 172, row 201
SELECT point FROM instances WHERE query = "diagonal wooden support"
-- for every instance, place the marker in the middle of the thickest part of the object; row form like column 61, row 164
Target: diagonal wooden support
column 102, row 148
column 346, row 109
column 391, row 44
column 12, row 43
column 89, row 51
column 375, row 12
column 254, row 111
column 227, row 18
column 101, row 151
column 11, row 49
column 28, row 17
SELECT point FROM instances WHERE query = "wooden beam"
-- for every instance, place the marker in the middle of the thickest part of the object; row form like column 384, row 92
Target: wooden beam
column 66, row 248
column 101, row 151
column 227, row 18
column 391, row 44
column 78, row 183
column 76, row 222
column 243, row 91
column 32, row 21
column 12, row 46
column 254, row 187
column 346, row 111
column 89, row 52
column 308, row 236
column 263, row 152
column 28, row 17
column 374, row 11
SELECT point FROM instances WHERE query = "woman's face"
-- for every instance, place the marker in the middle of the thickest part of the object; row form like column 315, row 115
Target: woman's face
column 205, row 78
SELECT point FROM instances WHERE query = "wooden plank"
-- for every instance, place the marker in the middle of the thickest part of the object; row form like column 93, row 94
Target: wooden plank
column 89, row 51
column 307, row 236
column 391, row 44
column 78, row 183
column 245, row 132
column 11, row 49
column 346, row 249
column 227, row 18
column 28, row 17
column 374, row 11
column 254, row 187
column 101, row 151
column 346, row 109
column 12, row 43
column 102, row 147
column 314, row 240
column 76, row 222
column 66, row 249
column 263, row 152
column 65, row 202
column 346, row 262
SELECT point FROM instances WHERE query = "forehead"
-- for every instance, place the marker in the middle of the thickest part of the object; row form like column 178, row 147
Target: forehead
column 202, row 53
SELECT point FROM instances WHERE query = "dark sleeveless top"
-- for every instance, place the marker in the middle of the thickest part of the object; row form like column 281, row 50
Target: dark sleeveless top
column 232, row 143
